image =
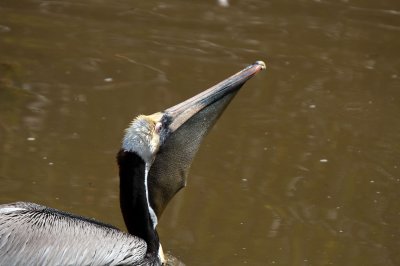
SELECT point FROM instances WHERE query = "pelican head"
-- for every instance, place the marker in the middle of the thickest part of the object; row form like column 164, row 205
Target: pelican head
column 167, row 141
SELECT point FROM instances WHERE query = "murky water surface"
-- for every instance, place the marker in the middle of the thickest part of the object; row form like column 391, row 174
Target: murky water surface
column 302, row 169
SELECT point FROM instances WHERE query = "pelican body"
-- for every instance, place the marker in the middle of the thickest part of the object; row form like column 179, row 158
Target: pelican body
column 157, row 151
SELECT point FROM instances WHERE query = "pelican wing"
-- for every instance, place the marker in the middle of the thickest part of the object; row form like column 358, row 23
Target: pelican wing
column 31, row 234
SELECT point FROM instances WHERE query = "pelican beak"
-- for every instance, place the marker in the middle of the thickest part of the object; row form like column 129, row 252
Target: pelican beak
column 185, row 126
column 182, row 112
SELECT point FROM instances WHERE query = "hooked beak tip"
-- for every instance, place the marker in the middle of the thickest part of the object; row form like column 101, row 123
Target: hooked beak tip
column 261, row 63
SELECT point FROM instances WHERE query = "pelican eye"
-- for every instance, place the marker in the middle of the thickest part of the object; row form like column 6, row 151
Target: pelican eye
column 158, row 127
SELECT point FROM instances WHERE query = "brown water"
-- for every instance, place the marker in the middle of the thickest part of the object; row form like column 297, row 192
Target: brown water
column 302, row 169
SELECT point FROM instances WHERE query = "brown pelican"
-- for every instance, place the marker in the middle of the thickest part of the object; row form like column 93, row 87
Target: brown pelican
column 154, row 159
